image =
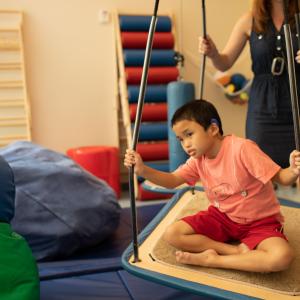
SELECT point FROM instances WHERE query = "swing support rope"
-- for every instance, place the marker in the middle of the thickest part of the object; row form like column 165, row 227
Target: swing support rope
column 292, row 73
column 136, row 130
column 204, row 56
column 297, row 22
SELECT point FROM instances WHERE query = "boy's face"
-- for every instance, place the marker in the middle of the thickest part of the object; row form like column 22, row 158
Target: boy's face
column 193, row 137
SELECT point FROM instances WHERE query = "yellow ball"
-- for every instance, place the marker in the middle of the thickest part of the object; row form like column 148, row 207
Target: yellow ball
column 230, row 88
column 244, row 96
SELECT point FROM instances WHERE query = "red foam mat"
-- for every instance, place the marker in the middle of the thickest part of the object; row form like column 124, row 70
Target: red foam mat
column 138, row 40
column 153, row 151
column 151, row 112
column 101, row 161
column 156, row 75
column 146, row 195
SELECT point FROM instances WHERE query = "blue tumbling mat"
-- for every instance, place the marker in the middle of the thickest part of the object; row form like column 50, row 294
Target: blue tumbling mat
column 100, row 286
column 154, row 93
column 158, row 58
column 142, row 23
column 141, row 289
column 97, row 273
column 153, row 132
column 118, row 285
column 102, row 258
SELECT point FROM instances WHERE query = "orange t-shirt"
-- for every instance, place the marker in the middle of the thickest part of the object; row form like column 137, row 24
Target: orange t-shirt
column 237, row 181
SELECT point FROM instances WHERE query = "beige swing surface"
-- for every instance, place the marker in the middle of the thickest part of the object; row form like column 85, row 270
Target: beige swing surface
column 158, row 256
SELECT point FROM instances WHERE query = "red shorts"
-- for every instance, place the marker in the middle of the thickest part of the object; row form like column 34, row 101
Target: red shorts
column 217, row 226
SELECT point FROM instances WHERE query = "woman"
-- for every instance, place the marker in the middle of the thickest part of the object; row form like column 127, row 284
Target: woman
column 269, row 117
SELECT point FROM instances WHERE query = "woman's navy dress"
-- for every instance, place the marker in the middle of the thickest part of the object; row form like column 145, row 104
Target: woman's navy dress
column 269, row 118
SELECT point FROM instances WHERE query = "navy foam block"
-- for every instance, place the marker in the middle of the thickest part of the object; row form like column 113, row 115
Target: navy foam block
column 153, row 132
column 158, row 58
column 154, row 93
column 142, row 23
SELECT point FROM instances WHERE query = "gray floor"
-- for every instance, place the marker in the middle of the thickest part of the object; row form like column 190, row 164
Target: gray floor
column 289, row 193
column 125, row 200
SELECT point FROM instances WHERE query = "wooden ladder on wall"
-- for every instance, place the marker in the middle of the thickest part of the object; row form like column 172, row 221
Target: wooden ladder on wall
column 15, row 118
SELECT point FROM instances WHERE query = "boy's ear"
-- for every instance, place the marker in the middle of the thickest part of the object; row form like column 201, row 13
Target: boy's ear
column 214, row 128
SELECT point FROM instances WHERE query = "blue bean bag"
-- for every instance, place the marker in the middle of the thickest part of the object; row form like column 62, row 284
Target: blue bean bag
column 59, row 207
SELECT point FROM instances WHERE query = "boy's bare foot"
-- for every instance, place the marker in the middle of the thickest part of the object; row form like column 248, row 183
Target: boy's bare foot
column 205, row 258
column 243, row 248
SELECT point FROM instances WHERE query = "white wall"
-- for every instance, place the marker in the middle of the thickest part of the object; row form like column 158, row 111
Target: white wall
column 71, row 71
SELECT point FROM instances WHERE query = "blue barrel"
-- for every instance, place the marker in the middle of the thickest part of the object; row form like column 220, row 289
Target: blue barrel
column 161, row 166
column 178, row 94
column 154, row 93
column 158, row 58
column 142, row 23
column 153, row 132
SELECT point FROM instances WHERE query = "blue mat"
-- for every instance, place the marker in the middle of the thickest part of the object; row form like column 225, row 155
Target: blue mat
column 111, row 285
column 101, row 286
column 158, row 58
column 153, row 131
column 142, row 23
column 104, row 257
column 154, row 93
column 97, row 274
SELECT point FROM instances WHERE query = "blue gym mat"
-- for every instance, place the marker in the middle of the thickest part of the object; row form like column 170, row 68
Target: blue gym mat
column 154, row 93
column 142, row 23
column 110, row 285
column 104, row 257
column 153, row 131
column 158, row 58
column 98, row 274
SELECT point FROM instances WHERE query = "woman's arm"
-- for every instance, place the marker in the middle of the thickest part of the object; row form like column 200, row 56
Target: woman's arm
column 236, row 43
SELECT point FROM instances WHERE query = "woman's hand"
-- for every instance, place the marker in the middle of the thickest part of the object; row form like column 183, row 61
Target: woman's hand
column 298, row 57
column 132, row 158
column 207, row 47
column 295, row 162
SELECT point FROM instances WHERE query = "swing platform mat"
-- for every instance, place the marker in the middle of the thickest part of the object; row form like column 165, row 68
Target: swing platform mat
column 158, row 262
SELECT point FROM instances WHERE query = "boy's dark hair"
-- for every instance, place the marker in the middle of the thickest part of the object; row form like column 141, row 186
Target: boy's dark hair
column 200, row 111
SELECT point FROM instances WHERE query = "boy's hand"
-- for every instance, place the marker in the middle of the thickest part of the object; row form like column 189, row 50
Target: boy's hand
column 295, row 162
column 132, row 158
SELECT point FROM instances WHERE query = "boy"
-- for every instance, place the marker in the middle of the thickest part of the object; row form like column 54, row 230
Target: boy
column 237, row 177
